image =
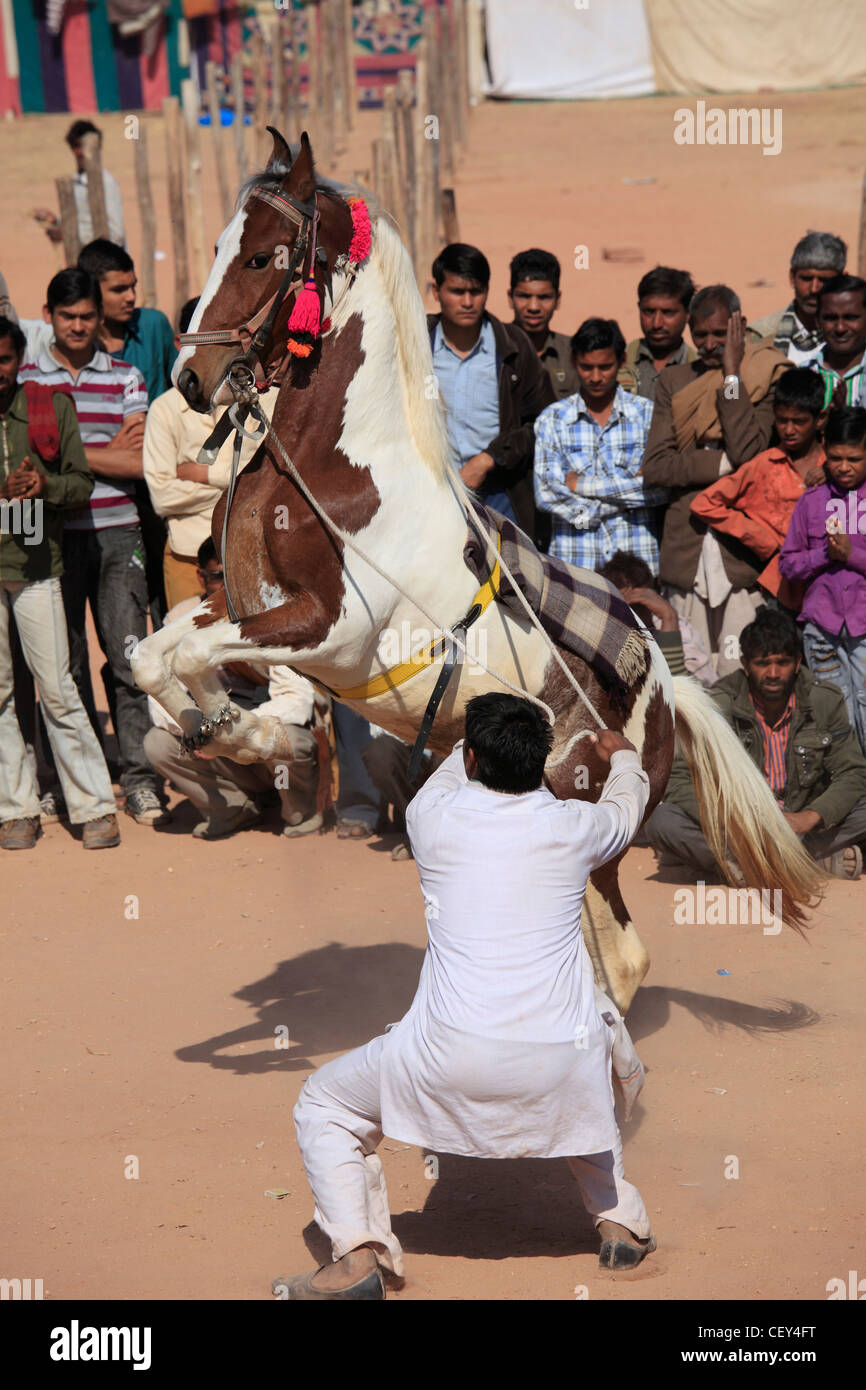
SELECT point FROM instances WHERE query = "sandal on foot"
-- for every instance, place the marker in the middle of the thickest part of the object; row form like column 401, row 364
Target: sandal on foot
column 845, row 863
column 372, row 1286
column 353, row 830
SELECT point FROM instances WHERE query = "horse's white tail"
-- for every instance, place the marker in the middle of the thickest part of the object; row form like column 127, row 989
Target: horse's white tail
column 739, row 814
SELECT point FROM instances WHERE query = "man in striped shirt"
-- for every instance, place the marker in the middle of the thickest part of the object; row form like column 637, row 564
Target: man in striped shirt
column 588, row 452
column 103, row 551
column 842, row 322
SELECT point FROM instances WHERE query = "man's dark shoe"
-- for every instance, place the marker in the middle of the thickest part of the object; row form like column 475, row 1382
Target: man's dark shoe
column 372, row 1286
column 103, row 833
column 145, row 807
column 19, row 834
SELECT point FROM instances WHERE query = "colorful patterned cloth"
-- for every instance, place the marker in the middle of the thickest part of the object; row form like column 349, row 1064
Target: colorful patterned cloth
column 578, row 609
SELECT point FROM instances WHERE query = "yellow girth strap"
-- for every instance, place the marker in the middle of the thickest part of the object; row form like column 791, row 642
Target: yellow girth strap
column 425, row 656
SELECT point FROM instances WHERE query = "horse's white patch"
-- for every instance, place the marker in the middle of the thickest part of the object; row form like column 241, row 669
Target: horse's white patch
column 228, row 246
column 271, row 595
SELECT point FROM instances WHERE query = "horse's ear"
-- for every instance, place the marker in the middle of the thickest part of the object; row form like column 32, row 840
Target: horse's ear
column 281, row 156
column 303, row 171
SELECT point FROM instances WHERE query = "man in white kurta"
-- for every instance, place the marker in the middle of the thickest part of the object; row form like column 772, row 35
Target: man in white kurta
column 504, row 1052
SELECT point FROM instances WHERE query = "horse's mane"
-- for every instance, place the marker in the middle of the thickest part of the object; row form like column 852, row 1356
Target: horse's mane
column 425, row 416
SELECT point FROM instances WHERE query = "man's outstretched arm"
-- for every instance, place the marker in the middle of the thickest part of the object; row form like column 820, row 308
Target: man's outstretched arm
column 624, row 797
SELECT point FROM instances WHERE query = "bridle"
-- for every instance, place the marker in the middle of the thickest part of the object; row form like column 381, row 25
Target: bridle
column 253, row 334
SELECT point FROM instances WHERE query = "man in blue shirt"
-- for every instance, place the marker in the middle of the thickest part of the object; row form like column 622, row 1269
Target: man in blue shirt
column 589, row 449
column 492, row 386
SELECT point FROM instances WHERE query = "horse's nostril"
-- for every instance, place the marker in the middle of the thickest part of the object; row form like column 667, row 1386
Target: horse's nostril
column 188, row 386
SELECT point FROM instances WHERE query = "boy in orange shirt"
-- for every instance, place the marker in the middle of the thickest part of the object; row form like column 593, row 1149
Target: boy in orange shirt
column 755, row 504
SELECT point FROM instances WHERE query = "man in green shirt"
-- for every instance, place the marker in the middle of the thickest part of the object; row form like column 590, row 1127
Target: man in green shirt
column 43, row 472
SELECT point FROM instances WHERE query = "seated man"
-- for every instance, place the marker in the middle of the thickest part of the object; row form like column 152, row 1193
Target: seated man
column 796, row 729
column 679, row 642
column 817, row 258
column 663, row 299
column 506, row 1049
column 710, row 416
column 387, row 759
column 226, row 792
column 588, row 454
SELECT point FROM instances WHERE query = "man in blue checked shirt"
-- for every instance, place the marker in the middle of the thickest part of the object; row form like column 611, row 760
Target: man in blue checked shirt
column 588, row 450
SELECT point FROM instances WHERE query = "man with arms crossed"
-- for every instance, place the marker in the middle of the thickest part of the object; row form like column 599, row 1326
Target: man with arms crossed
column 504, row 1052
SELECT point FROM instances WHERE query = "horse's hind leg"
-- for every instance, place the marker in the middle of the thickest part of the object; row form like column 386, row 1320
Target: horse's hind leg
column 619, row 957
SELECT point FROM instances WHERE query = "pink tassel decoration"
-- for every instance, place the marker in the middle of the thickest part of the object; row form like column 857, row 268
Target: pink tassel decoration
column 305, row 320
column 362, row 238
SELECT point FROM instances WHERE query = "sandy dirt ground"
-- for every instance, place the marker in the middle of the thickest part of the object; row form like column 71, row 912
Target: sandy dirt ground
column 151, row 1037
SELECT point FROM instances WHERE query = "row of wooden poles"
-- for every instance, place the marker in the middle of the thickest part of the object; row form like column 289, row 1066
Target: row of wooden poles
column 412, row 163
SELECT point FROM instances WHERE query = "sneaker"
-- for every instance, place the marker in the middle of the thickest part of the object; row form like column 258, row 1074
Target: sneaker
column 19, row 834
column 145, row 807
column 103, row 833
column 52, row 807
column 216, row 828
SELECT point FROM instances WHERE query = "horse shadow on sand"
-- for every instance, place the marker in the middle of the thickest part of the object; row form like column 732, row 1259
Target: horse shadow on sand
column 337, row 997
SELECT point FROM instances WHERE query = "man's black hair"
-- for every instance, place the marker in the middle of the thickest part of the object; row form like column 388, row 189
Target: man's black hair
column 78, row 129
column 845, row 426
column 8, row 329
column 101, row 257
column 463, row 260
column 535, row 265
column 678, row 284
column 184, row 318
column 802, row 387
column 842, row 284
column 627, row 571
column 770, row 632
column 597, row 335
column 70, row 285
column 711, row 298
column 206, row 552
column 511, row 740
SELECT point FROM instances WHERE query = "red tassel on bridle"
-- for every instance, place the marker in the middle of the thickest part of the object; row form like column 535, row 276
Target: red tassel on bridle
column 306, row 317
column 305, row 322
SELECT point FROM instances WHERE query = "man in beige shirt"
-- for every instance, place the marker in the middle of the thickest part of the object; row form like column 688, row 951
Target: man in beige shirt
column 183, row 491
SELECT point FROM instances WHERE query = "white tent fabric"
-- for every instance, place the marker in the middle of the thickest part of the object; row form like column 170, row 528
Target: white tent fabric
column 552, row 49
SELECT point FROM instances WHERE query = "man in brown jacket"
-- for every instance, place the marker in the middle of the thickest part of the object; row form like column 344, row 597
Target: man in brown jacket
column 710, row 416
column 492, row 385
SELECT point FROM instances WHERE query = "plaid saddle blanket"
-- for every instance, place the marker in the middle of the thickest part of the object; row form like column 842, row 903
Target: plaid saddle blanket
column 577, row 608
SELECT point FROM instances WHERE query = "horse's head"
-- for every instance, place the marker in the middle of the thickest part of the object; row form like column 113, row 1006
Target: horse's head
column 264, row 256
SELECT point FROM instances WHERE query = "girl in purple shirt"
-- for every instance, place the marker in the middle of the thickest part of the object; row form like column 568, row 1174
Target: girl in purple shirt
column 825, row 548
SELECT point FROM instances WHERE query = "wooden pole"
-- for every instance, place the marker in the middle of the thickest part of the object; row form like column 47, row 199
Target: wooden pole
column 385, row 173
column 424, row 234
column 95, row 186
column 239, row 105
column 449, row 216
column 171, row 112
column 861, row 254
column 294, row 112
column 200, row 258
column 147, row 217
column 349, row 59
column 433, row 128
column 406, row 146
column 390, row 133
column 68, row 220
column 326, row 88
column 311, row 39
column 260, row 99
column 337, row 35
column 444, row 99
column 278, row 72
column 214, row 82
column 458, row 51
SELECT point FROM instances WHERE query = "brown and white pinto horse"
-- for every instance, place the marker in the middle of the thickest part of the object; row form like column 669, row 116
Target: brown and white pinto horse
column 360, row 420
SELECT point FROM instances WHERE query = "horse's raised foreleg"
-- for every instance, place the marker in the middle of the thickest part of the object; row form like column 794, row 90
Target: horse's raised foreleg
column 272, row 638
column 151, row 664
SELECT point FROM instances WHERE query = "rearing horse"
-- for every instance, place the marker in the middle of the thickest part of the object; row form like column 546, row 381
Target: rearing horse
column 358, row 435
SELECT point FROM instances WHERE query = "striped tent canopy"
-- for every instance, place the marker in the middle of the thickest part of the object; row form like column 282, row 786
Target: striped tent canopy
column 67, row 55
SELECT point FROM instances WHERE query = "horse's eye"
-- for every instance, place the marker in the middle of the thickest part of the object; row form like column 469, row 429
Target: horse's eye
column 258, row 262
